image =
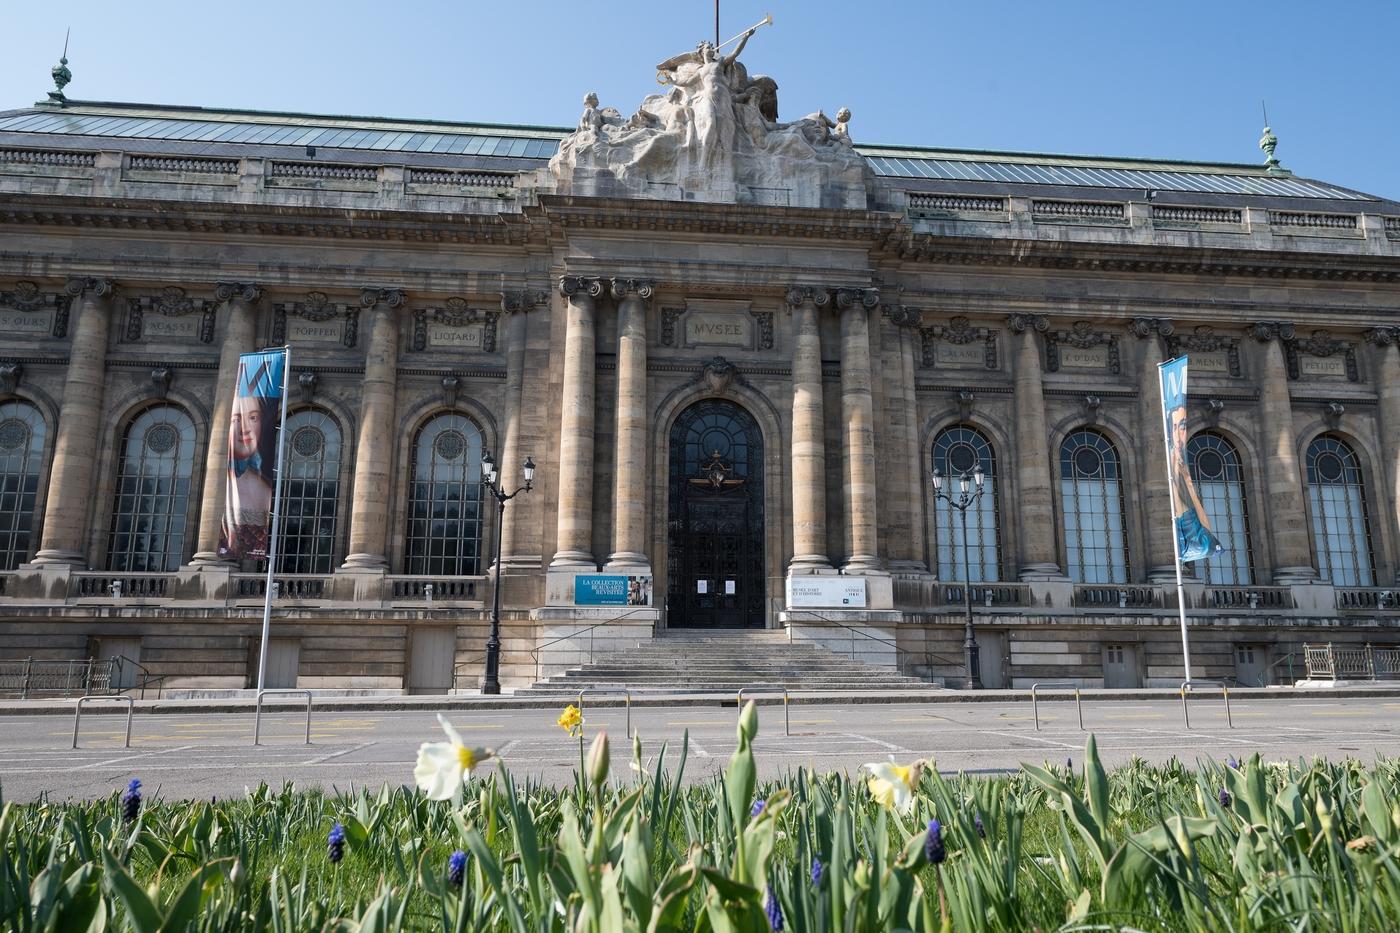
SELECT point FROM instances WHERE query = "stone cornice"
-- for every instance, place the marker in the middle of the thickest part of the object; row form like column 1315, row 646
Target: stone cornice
column 1138, row 260
column 726, row 219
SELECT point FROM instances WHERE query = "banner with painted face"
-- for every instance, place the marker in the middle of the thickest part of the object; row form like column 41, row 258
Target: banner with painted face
column 252, row 454
column 1194, row 540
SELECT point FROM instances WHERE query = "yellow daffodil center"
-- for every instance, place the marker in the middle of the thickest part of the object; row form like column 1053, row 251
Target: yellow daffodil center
column 467, row 757
column 902, row 772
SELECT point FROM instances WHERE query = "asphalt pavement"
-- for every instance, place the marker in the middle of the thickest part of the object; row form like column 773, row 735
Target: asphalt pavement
column 203, row 754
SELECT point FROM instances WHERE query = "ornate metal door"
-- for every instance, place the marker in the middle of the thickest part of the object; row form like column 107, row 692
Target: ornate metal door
column 715, row 548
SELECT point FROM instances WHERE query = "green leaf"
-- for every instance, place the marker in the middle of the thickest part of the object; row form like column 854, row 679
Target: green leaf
column 141, row 911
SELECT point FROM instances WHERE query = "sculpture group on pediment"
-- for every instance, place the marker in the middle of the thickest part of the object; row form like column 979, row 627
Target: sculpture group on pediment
column 714, row 135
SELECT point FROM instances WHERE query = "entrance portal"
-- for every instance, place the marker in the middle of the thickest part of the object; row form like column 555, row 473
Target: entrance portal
column 715, row 529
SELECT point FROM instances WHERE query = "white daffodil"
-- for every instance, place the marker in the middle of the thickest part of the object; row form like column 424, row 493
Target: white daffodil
column 443, row 767
column 892, row 785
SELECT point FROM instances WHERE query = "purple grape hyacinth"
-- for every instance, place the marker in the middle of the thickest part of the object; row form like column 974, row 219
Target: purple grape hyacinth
column 977, row 825
column 1225, row 799
column 774, row 911
column 335, row 844
column 934, row 849
column 816, row 870
column 131, row 801
column 758, row 806
column 456, row 868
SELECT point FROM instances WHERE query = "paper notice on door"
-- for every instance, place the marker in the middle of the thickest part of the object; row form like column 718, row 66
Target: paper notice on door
column 728, row 587
column 702, row 586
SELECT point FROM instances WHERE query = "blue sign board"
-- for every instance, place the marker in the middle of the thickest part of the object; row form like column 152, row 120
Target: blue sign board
column 611, row 589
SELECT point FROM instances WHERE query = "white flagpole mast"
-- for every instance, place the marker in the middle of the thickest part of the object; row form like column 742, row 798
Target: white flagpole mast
column 1176, row 544
column 276, row 517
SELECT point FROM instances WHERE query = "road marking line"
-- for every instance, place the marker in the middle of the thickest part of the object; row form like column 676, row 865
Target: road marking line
column 332, row 755
column 697, row 722
column 873, row 741
column 1033, row 738
column 698, row 749
column 814, row 722
column 1134, row 715
column 112, row 761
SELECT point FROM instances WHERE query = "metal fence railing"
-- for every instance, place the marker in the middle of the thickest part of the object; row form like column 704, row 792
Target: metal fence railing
column 1351, row 662
column 30, row 677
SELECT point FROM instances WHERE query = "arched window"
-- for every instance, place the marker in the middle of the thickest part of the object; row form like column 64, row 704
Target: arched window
column 1338, row 499
column 310, row 494
column 445, row 507
column 149, row 518
column 1215, row 469
column 22, row 433
column 957, row 451
column 1091, row 490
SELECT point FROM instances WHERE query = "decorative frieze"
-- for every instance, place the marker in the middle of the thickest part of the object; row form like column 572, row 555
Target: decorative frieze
column 958, row 343
column 455, row 326
column 317, row 320
column 171, row 315
column 1082, row 347
column 26, row 311
column 1209, row 352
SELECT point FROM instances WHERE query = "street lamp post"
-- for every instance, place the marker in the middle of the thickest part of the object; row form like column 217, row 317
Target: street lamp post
column 962, row 502
column 491, row 682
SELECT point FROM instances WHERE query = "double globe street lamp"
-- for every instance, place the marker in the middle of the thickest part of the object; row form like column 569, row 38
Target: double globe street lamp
column 962, row 501
column 491, row 682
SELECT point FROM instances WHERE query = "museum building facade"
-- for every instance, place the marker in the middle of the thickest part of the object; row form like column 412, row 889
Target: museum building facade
column 735, row 365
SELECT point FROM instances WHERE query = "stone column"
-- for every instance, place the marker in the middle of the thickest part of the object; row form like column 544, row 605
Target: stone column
column 858, row 416
column 516, row 306
column 79, row 427
column 1287, row 516
column 575, row 529
column 1387, row 339
column 905, row 553
column 1156, row 496
column 1034, row 466
column 808, row 424
column 374, row 451
column 630, row 453
column 239, row 300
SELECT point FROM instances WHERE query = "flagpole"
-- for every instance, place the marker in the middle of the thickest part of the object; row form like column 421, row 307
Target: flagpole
column 276, row 516
column 1176, row 543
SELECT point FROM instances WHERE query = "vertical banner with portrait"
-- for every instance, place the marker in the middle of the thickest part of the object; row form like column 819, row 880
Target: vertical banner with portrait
column 252, row 454
column 1194, row 540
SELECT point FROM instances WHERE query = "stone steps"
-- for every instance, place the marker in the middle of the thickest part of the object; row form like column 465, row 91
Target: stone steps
column 723, row 662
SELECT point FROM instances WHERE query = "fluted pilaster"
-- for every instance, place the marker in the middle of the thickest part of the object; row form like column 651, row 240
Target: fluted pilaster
column 808, row 423
column 858, row 418
column 1387, row 341
column 517, row 307
column 1036, row 505
column 239, row 301
column 1282, row 475
column 1156, row 494
column 575, row 527
column 630, row 437
column 79, row 426
column 374, row 452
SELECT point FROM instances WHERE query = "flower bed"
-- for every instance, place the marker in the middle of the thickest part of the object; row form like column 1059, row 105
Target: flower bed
column 1234, row 846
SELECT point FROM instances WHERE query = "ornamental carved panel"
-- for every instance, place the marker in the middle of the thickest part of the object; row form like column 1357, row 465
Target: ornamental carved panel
column 317, row 320
column 958, row 343
column 27, row 311
column 1082, row 347
column 455, row 326
column 1209, row 351
column 1321, row 356
column 170, row 315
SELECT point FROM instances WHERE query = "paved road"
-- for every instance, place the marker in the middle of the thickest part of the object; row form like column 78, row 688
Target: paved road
column 204, row 754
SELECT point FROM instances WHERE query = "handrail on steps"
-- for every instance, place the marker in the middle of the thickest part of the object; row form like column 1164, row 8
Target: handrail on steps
column 535, row 652
column 899, row 652
column 147, row 678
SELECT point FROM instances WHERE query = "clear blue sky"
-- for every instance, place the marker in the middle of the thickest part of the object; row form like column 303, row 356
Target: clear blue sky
column 1180, row 79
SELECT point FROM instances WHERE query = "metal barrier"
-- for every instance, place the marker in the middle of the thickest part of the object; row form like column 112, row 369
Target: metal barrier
column 1035, row 704
column 1186, row 686
column 78, row 714
column 787, row 723
column 613, row 690
column 257, row 716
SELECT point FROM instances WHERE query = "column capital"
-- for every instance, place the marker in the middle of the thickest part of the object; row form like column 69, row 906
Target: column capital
column 817, row 295
column 904, row 316
column 1264, row 331
column 371, row 296
column 525, row 300
column 850, row 297
column 571, row 285
column 249, row 292
column 1020, row 323
column 639, row 288
column 1151, row 326
column 97, row 287
column 1383, row 336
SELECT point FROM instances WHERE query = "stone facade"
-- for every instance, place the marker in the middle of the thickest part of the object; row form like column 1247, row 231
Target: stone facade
column 578, row 329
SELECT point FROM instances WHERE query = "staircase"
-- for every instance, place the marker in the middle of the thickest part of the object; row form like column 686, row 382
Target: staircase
column 695, row 662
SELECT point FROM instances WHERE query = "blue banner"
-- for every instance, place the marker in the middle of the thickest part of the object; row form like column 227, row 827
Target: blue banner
column 611, row 589
column 254, row 420
column 1194, row 540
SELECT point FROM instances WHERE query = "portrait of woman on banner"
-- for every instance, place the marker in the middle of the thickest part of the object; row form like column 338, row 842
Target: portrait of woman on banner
column 252, row 446
column 1193, row 535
